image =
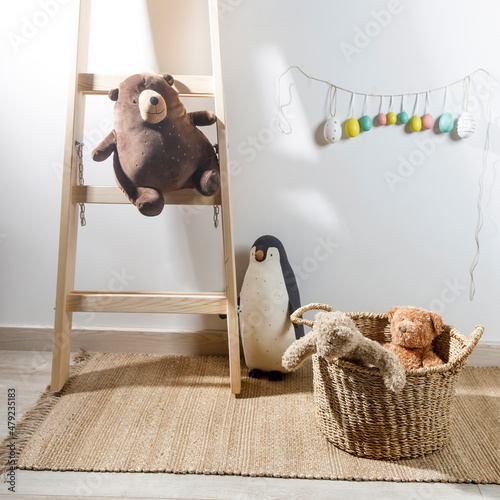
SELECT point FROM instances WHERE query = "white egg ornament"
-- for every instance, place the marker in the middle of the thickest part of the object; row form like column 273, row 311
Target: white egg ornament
column 332, row 130
column 466, row 125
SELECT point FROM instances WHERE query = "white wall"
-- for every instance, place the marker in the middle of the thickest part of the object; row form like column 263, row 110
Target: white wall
column 412, row 244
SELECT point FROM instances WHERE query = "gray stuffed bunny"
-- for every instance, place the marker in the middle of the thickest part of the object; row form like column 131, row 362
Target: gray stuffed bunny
column 334, row 335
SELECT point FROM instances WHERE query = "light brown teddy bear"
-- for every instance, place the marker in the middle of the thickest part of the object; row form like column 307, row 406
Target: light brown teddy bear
column 413, row 329
column 334, row 335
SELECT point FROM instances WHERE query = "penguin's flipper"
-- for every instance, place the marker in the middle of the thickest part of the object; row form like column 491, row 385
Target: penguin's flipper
column 299, row 329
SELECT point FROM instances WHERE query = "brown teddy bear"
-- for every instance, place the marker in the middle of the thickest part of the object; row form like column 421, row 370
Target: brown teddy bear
column 412, row 330
column 157, row 147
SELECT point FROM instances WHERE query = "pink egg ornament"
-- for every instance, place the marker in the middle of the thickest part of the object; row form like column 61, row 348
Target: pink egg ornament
column 381, row 119
column 427, row 121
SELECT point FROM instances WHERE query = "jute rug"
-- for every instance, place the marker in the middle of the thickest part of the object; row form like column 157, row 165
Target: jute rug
column 153, row 413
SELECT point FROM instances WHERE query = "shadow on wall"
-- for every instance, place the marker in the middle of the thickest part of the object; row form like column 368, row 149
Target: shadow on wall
column 181, row 36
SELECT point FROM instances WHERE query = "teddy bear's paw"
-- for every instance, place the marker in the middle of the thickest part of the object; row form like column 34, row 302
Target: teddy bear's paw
column 209, row 182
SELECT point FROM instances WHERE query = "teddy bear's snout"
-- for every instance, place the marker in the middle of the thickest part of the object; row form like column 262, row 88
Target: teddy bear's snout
column 402, row 329
column 152, row 106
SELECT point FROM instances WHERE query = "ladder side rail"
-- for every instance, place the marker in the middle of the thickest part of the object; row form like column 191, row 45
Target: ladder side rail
column 228, row 244
column 69, row 211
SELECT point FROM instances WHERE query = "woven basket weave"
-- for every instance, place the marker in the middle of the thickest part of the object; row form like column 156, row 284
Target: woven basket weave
column 358, row 414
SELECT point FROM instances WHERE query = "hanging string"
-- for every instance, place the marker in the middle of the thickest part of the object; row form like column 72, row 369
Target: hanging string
column 390, row 105
column 351, row 105
column 415, row 108
column 426, row 106
column 365, row 105
column 332, row 100
column 445, row 97
column 481, row 189
column 381, row 103
column 466, row 92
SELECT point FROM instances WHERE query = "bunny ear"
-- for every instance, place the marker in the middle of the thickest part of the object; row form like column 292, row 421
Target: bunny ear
column 437, row 322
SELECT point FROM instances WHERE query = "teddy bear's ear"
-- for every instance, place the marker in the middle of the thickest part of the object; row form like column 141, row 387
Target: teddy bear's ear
column 113, row 94
column 437, row 322
column 391, row 312
column 168, row 78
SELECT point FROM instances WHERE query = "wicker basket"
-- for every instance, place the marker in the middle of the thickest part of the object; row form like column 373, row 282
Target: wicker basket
column 358, row 414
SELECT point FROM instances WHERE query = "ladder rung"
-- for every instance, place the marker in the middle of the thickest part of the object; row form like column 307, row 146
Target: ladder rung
column 114, row 195
column 186, row 85
column 147, row 302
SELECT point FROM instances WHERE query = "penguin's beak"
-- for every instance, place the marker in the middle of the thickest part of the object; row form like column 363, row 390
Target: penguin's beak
column 259, row 255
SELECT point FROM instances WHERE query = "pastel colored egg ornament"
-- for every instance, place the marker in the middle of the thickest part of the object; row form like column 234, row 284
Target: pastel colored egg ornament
column 427, row 121
column 352, row 127
column 332, row 130
column 403, row 117
column 381, row 119
column 391, row 118
column 416, row 123
column 365, row 123
column 446, row 123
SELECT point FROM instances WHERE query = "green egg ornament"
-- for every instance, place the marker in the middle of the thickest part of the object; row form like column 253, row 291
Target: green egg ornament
column 365, row 123
column 391, row 117
column 352, row 127
column 415, row 123
column 446, row 123
column 403, row 117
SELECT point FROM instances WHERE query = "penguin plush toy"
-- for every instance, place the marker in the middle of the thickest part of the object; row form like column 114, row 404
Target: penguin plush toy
column 268, row 296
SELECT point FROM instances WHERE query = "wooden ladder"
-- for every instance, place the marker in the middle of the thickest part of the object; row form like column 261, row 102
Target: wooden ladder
column 69, row 300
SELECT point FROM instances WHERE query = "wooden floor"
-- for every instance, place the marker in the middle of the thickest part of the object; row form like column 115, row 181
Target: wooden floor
column 29, row 373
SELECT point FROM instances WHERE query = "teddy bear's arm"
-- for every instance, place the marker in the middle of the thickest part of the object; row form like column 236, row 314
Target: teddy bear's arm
column 202, row 118
column 431, row 359
column 299, row 351
column 107, row 146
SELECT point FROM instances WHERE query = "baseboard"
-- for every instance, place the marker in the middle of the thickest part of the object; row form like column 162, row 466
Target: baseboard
column 186, row 343
column 180, row 343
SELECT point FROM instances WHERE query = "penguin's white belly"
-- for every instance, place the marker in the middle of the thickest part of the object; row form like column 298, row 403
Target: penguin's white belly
column 265, row 325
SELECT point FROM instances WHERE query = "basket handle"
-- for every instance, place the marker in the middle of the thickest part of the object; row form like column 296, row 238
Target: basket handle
column 472, row 341
column 295, row 316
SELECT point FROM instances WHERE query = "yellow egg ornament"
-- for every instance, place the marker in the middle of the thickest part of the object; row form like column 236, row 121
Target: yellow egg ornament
column 391, row 117
column 352, row 127
column 416, row 123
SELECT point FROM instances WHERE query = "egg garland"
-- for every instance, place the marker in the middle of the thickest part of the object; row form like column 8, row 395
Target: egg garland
column 334, row 128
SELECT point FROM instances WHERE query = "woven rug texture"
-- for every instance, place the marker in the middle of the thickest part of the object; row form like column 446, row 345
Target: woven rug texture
column 156, row 413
